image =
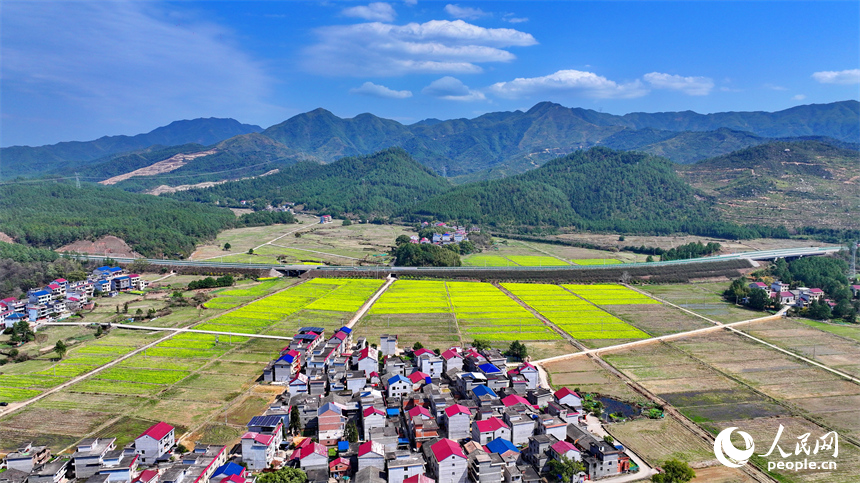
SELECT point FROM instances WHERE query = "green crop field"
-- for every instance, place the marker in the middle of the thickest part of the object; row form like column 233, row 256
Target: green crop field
column 413, row 297
column 575, row 316
column 481, row 306
column 595, row 261
column 13, row 394
column 608, row 294
column 536, row 261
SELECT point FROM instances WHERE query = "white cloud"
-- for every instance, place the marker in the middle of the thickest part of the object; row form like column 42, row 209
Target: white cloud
column 411, row 2
column 467, row 13
column 437, row 46
column 376, row 90
column 587, row 84
column 452, row 89
column 798, row 97
column 376, row 12
column 517, row 19
column 694, row 86
column 122, row 67
column 775, row 87
column 850, row 76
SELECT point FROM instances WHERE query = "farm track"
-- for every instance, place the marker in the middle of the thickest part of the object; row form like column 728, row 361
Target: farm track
column 16, row 406
column 367, row 305
column 454, row 314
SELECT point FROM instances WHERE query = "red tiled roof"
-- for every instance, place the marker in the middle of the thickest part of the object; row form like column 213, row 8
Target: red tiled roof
column 260, row 438
column 445, row 448
column 419, row 410
column 234, row 479
column 61, row 280
column 423, row 351
column 310, row 449
column 372, row 410
column 816, row 290
column 339, row 461
column 562, row 447
column 418, row 479
column 371, row 447
column 489, row 425
column 561, row 393
column 509, row 401
column 450, row 354
column 786, row 294
column 417, row 377
column 147, row 475
column 340, row 335
column 451, row 411
column 157, row 431
column 53, row 285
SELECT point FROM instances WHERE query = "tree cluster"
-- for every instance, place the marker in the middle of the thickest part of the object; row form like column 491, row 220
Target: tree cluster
column 517, row 350
column 425, row 255
column 209, row 282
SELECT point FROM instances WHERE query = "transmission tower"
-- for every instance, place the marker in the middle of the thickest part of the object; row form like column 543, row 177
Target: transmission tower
column 77, row 181
column 854, row 246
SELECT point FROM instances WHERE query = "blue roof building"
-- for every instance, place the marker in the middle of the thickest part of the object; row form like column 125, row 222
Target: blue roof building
column 484, row 391
column 501, row 445
column 228, row 470
column 488, row 368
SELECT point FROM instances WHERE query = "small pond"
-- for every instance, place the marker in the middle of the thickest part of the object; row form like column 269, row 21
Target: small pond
column 615, row 406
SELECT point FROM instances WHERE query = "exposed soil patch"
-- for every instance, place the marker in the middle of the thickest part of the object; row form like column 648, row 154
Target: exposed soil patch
column 170, row 164
column 6, row 238
column 107, row 245
column 206, row 184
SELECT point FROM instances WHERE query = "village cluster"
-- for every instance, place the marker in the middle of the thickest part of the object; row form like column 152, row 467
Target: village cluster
column 420, row 416
column 799, row 297
column 61, row 298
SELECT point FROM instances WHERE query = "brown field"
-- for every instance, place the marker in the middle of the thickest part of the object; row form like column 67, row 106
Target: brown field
column 658, row 440
column 721, row 474
column 656, row 319
column 11, row 439
column 584, row 373
column 217, row 433
column 182, row 412
column 73, row 422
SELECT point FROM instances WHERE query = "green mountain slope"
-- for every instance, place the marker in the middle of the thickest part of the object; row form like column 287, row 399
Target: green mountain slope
column 805, row 183
column 50, row 215
column 33, row 161
column 376, row 185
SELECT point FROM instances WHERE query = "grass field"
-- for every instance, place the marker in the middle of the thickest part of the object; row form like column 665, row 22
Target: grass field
column 703, row 298
column 536, row 260
column 595, row 261
column 486, row 260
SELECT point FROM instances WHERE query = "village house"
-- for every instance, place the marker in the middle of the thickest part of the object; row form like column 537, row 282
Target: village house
column 371, row 453
column 448, row 463
column 486, row 430
column 458, row 422
column 28, row 457
column 405, row 467
column 154, row 443
column 331, row 423
column 258, row 450
column 90, row 454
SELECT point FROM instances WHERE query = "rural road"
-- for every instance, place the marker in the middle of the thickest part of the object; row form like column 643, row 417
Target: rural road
column 177, row 330
column 364, row 308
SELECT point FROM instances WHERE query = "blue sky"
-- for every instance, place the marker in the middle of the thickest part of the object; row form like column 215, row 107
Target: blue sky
column 80, row 70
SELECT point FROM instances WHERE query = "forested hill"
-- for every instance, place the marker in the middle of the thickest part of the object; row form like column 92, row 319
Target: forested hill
column 376, row 185
column 597, row 189
column 50, row 215
column 31, row 161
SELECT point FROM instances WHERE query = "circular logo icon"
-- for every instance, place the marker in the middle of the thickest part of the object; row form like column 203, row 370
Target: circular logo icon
column 726, row 452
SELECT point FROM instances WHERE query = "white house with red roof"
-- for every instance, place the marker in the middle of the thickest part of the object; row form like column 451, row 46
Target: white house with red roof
column 459, row 421
column 448, row 463
column 430, row 363
column 311, row 456
column 371, row 453
column 452, row 360
column 856, row 290
column 568, row 397
column 146, row 476
column 258, row 450
column 486, row 430
column 372, row 417
column 419, row 479
column 367, row 360
column 566, row 449
column 529, row 372
column 760, row 285
column 784, row 297
column 155, row 442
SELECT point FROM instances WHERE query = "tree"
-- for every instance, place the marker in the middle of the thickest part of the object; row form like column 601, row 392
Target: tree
column 480, row 344
column 565, row 469
column 227, row 247
column 125, row 308
column 608, row 439
column 649, row 259
column 60, row 348
column 517, row 350
column 351, row 432
column 100, row 331
column 346, row 222
column 417, row 345
column 250, row 251
column 675, row 471
column 400, row 240
column 758, row 299
column 21, row 332
column 295, row 420
column 283, row 475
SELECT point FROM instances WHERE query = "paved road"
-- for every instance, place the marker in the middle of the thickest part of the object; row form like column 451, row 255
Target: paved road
column 364, row 308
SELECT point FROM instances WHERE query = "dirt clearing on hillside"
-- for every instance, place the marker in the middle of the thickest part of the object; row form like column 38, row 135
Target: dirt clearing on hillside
column 106, row 245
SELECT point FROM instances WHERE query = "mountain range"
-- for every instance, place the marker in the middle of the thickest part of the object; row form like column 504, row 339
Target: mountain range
column 493, row 145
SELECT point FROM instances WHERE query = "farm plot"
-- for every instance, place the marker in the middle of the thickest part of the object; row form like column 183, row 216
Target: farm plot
column 575, row 316
column 234, row 297
column 781, row 377
column 702, row 298
column 842, row 330
column 595, row 261
column 656, row 319
column 659, row 440
column 486, row 260
column 413, row 297
column 606, row 294
column 484, row 311
column 585, row 374
column 416, row 310
column 74, row 422
column 810, row 341
column 536, row 261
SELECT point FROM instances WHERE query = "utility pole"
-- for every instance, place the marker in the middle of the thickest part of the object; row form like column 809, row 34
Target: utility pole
column 77, row 181
column 854, row 246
